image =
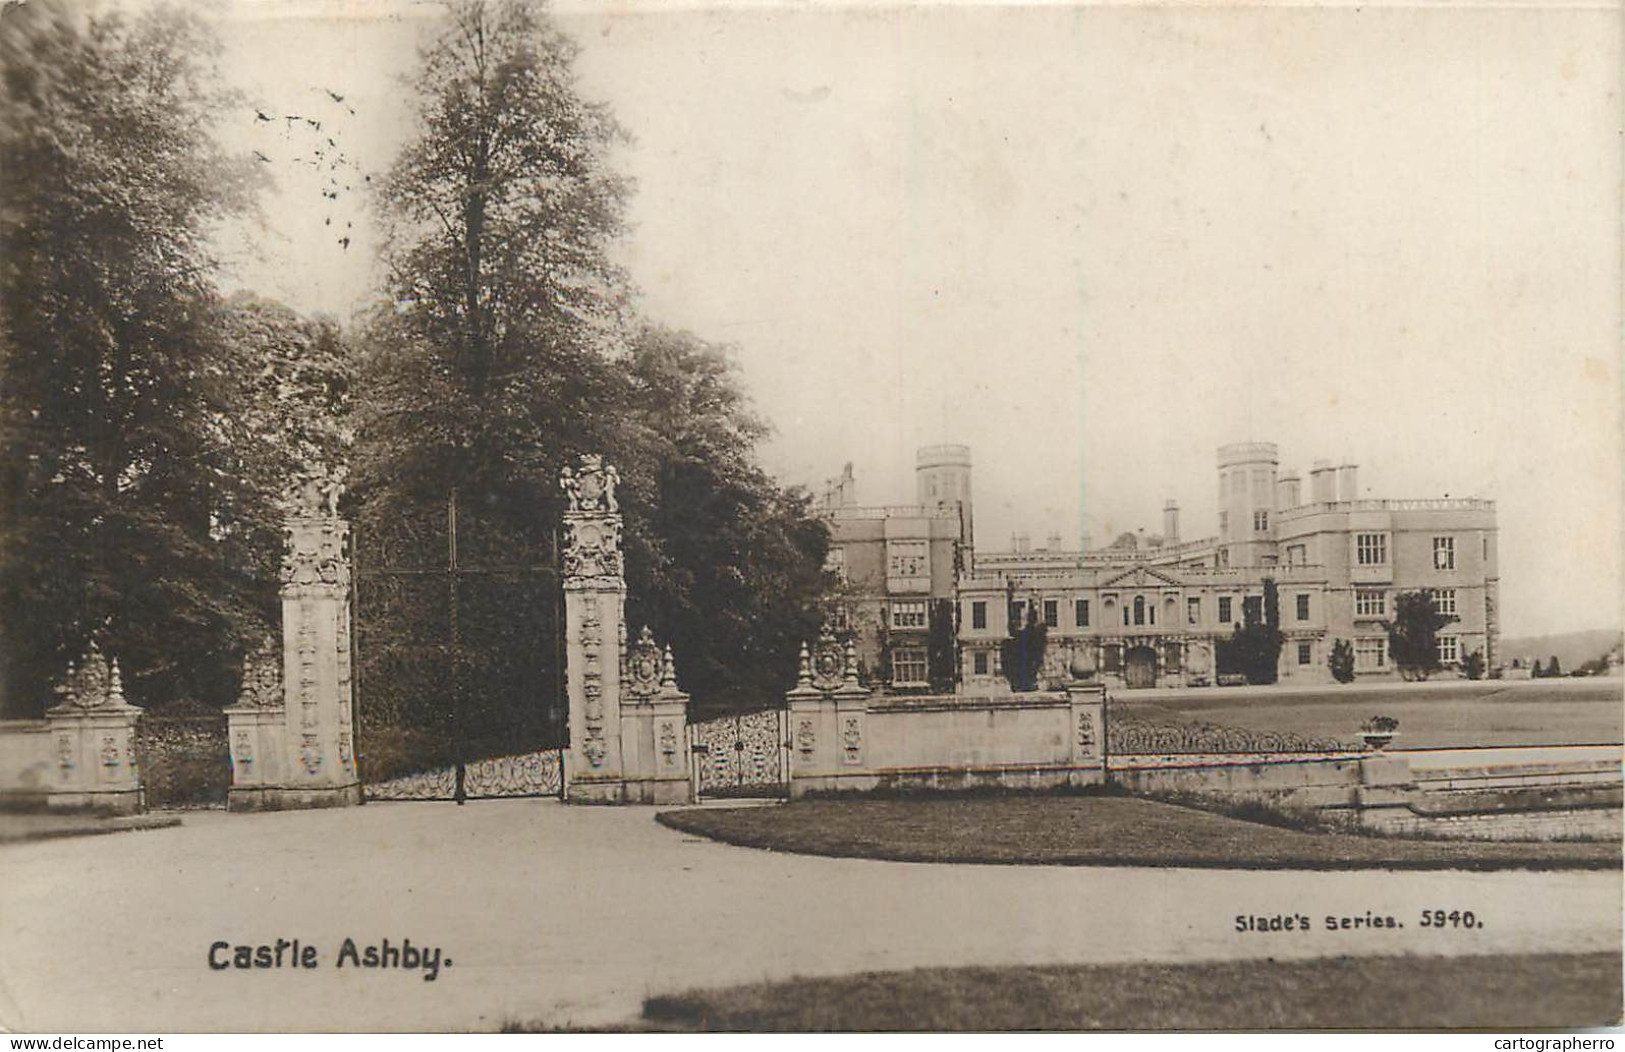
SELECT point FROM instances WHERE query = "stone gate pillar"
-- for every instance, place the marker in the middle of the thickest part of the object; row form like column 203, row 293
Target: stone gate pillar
column 654, row 727
column 1086, row 704
column 828, row 712
column 594, row 630
column 304, row 754
column 93, row 731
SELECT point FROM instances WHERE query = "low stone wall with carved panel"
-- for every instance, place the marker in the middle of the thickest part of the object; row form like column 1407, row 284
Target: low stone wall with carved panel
column 81, row 756
column 858, row 742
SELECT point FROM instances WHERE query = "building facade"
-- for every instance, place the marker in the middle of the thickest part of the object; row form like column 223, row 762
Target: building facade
column 898, row 566
column 1149, row 611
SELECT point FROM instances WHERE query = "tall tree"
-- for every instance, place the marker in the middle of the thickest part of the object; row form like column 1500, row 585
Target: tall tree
column 499, row 215
column 1022, row 651
column 118, row 487
column 720, row 558
column 1342, row 661
column 1413, row 634
column 491, row 362
column 506, row 349
column 1254, row 648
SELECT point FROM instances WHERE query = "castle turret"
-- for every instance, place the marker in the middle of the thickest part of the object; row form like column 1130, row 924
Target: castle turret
column 1247, row 501
column 942, row 478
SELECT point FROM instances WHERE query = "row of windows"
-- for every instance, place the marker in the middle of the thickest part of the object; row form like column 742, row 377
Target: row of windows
column 1139, row 612
column 1371, row 549
column 911, row 558
column 1372, row 652
column 908, row 615
column 1367, row 603
column 1374, row 602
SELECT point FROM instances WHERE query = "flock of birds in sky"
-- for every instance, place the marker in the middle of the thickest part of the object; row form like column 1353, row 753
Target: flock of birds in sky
column 315, row 145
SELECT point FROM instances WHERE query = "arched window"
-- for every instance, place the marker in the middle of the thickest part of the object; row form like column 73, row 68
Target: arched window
column 1139, row 609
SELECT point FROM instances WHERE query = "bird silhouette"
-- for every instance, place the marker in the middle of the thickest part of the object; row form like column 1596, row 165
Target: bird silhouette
column 261, row 115
column 345, row 242
column 334, row 95
column 262, row 157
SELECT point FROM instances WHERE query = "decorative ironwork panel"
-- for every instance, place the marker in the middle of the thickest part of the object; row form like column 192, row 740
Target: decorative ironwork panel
column 439, row 783
column 457, row 648
column 743, row 752
column 1126, row 736
column 530, row 774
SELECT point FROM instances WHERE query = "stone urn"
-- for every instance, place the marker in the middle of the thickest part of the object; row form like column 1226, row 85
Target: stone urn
column 1379, row 732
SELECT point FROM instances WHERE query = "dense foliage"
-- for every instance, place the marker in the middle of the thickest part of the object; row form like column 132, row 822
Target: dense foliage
column 1254, row 648
column 721, row 560
column 151, row 430
column 507, row 349
column 136, row 493
column 1413, row 634
column 1022, row 651
column 1342, row 661
column 942, row 654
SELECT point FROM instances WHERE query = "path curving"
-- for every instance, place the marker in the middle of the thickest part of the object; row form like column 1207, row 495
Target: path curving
column 571, row 916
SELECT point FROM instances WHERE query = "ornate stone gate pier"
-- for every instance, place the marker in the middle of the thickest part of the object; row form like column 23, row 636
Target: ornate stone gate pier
column 628, row 720
column 292, row 743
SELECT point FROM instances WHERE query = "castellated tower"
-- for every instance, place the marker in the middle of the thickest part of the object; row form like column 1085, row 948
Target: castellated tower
column 942, row 477
column 1247, row 490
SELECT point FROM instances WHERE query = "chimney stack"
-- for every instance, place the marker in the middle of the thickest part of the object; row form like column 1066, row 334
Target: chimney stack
column 1323, row 482
column 1288, row 492
column 1170, row 522
column 1348, row 482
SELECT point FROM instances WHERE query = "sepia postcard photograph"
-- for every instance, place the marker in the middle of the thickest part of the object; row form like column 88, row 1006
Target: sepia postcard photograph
column 770, row 516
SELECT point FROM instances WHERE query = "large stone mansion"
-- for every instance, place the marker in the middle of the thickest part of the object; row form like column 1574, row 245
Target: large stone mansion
column 927, row 606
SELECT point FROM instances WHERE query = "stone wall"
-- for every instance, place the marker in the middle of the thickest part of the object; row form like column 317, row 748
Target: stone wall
column 1554, row 799
column 25, row 762
column 844, row 739
column 1281, row 780
column 1573, row 823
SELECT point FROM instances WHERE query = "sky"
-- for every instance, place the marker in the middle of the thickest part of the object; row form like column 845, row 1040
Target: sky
column 1092, row 242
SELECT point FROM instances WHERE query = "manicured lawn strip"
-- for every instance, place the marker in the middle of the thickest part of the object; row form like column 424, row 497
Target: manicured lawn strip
column 1097, row 831
column 1512, row 992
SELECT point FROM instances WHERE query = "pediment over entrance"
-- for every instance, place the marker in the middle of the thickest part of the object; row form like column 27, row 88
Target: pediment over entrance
column 1142, row 577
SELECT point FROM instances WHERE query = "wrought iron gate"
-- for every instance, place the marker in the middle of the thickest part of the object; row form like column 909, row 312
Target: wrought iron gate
column 742, row 754
column 459, row 666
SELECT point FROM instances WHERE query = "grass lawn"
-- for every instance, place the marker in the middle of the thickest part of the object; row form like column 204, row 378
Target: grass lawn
column 1097, row 830
column 1515, row 992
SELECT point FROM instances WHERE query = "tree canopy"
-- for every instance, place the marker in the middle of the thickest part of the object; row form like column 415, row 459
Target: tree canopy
column 1254, row 647
column 508, row 347
column 131, row 510
column 1413, row 634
